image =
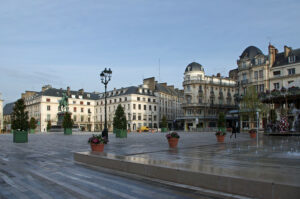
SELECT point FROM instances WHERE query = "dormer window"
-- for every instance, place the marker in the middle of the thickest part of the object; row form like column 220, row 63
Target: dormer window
column 291, row 59
column 244, row 64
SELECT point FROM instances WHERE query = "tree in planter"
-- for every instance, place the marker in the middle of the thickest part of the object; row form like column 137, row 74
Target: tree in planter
column 120, row 122
column 32, row 124
column 67, row 123
column 20, row 122
column 250, row 104
column 48, row 125
column 164, row 124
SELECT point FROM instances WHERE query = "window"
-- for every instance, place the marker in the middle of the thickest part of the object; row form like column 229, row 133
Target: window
column 115, row 100
column 48, row 108
column 81, row 102
column 154, row 118
column 149, row 100
column 74, row 118
column 74, row 102
column 88, row 103
column 154, row 100
column 145, row 107
column 276, row 73
column 89, row 111
column 256, row 75
column 144, row 99
column 125, row 99
column 154, row 108
column 48, row 100
column 74, row 109
column 134, row 116
column 292, row 59
column 244, row 76
column 276, row 86
column 261, row 88
column 82, row 110
column 261, row 74
column 48, row 117
column 82, row 118
column 139, row 116
column 133, row 106
column 140, row 107
column 128, row 106
column 145, row 117
column 188, row 88
column 138, row 98
column 150, row 108
column 244, row 64
column 291, row 71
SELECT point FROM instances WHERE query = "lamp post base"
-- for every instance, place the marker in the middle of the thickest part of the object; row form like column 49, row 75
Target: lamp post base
column 105, row 133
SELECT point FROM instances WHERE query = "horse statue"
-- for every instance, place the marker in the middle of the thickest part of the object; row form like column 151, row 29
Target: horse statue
column 63, row 103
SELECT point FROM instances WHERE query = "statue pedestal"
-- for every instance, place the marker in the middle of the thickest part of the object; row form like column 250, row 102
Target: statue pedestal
column 59, row 126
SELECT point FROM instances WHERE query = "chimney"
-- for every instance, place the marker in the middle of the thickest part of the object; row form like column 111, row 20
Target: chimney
column 163, row 84
column 272, row 54
column 287, row 51
column 81, row 91
column 171, row 87
column 218, row 74
column 150, row 83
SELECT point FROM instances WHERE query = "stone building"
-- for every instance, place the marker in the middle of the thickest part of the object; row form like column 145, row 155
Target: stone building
column 139, row 103
column 43, row 106
column 205, row 97
column 7, row 112
column 169, row 100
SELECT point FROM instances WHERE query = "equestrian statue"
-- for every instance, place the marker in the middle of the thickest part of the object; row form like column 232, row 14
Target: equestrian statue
column 63, row 103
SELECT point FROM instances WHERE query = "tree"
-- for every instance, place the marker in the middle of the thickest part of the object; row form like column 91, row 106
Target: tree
column 120, row 121
column 164, row 123
column 32, row 123
column 273, row 116
column 221, row 120
column 67, row 122
column 19, row 116
column 48, row 125
column 251, row 104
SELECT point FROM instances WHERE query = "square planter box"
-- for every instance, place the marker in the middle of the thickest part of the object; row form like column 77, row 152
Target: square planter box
column 31, row 130
column 121, row 133
column 68, row 131
column 20, row 136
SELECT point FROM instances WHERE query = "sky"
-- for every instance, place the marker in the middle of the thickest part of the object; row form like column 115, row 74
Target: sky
column 69, row 42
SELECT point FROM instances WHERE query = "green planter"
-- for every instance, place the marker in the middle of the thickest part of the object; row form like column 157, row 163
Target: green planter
column 31, row 131
column 115, row 131
column 68, row 131
column 223, row 129
column 164, row 129
column 20, row 136
column 120, row 133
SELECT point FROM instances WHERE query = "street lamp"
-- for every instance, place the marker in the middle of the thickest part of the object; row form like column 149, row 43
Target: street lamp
column 105, row 78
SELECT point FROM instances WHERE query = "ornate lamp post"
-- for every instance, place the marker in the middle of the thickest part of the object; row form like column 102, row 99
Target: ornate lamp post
column 105, row 78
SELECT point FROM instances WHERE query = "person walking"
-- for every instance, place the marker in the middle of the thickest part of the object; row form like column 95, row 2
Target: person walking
column 233, row 131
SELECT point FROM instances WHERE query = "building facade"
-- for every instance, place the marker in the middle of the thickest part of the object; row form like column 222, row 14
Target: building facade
column 7, row 112
column 205, row 97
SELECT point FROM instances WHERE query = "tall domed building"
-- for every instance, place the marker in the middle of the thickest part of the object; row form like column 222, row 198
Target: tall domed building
column 253, row 67
column 205, row 96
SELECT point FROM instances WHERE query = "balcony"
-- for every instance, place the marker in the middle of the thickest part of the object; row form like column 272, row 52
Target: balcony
column 244, row 81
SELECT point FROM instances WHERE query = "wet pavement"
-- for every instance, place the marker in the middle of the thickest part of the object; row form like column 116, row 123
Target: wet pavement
column 44, row 167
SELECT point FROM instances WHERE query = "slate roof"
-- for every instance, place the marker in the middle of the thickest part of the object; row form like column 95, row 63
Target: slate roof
column 8, row 108
column 164, row 89
column 280, row 60
column 128, row 91
column 250, row 52
column 54, row 92
column 194, row 66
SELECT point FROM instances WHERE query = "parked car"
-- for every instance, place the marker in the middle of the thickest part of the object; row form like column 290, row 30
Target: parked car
column 144, row 129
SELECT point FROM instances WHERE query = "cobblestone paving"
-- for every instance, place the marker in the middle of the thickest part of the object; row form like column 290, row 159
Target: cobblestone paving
column 44, row 167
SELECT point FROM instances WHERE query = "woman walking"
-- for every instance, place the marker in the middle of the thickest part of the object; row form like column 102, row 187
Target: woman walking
column 233, row 131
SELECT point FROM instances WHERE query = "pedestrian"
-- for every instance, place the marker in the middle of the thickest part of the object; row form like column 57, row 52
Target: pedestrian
column 233, row 131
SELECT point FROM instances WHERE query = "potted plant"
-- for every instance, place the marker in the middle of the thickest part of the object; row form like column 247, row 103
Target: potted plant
column 173, row 139
column 48, row 125
column 252, row 133
column 164, row 124
column 20, row 122
column 32, row 125
column 67, row 124
column 221, row 128
column 97, row 143
column 120, row 123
